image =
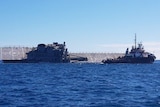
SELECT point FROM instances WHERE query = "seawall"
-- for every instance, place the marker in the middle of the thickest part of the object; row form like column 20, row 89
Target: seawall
column 14, row 53
column 97, row 57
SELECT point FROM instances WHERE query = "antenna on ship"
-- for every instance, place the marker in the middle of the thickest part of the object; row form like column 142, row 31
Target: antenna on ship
column 135, row 40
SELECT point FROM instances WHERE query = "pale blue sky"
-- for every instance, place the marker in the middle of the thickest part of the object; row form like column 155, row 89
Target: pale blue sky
column 85, row 25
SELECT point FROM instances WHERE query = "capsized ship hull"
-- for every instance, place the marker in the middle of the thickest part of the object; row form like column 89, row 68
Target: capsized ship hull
column 31, row 61
column 51, row 53
column 13, row 61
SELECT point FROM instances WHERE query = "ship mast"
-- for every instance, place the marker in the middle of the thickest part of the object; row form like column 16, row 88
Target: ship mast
column 135, row 40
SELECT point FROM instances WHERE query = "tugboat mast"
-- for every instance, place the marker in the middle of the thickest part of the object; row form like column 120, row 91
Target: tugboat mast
column 135, row 41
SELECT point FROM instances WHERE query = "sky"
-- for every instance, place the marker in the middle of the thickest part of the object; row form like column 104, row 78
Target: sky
column 85, row 25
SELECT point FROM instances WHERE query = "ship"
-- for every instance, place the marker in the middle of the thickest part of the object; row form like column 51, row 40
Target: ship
column 136, row 55
column 52, row 53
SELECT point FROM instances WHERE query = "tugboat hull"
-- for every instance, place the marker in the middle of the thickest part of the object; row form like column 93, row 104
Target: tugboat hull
column 130, row 60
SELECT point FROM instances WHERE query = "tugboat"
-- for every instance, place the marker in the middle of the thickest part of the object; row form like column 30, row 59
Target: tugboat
column 136, row 55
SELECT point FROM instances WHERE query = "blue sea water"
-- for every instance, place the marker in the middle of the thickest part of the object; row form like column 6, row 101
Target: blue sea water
column 80, row 85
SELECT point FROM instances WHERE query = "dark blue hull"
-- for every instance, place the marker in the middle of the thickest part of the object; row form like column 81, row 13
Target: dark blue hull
column 130, row 60
column 32, row 61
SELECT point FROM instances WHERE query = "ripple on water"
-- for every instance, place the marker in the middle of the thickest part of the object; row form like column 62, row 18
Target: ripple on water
column 113, row 85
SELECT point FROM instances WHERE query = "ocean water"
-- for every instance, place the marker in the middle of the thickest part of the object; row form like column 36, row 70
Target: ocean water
column 80, row 85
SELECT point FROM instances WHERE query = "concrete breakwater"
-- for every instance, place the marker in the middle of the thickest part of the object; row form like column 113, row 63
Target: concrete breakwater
column 13, row 53
column 97, row 57
column 17, row 53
